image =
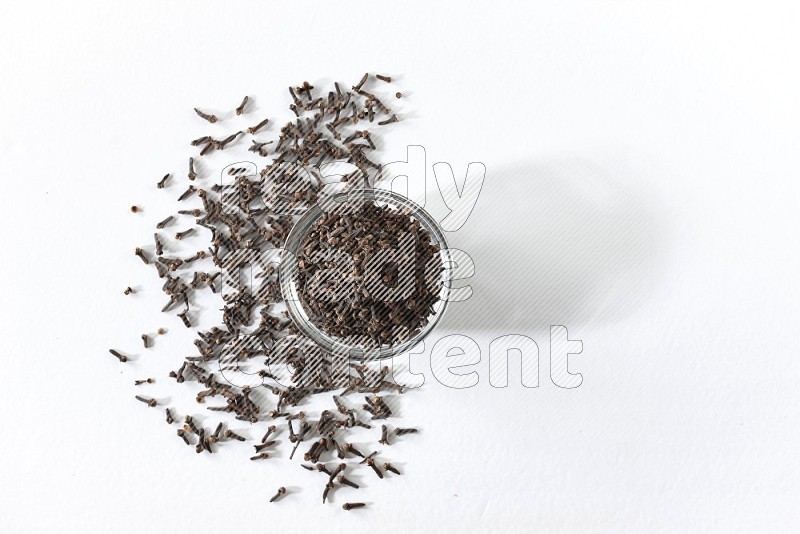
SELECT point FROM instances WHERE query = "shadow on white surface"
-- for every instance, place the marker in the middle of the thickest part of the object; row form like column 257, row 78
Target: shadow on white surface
column 557, row 242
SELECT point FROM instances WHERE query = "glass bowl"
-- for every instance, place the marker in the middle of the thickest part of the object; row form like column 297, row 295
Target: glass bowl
column 289, row 271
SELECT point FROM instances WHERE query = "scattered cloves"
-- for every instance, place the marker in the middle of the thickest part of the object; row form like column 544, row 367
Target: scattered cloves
column 300, row 142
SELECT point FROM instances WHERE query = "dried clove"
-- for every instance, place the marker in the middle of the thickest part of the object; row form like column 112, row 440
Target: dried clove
column 181, row 235
column 270, row 430
column 184, row 317
column 281, row 492
column 150, row 402
column 182, row 433
column 390, row 120
column 371, row 463
column 210, row 118
column 389, row 467
column 341, row 479
column 192, row 173
column 253, row 129
column 230, row 434
column 139, row 252
column 165, row 222
column 240, row 109
column 384, row 436
column 328, row 488
column 120, row 357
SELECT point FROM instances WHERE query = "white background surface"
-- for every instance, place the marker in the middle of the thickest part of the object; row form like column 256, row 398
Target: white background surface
column 642, row 182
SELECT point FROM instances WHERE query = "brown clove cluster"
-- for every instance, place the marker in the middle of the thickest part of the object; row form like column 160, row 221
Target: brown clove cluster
column 386, row 280
column 253, row 214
